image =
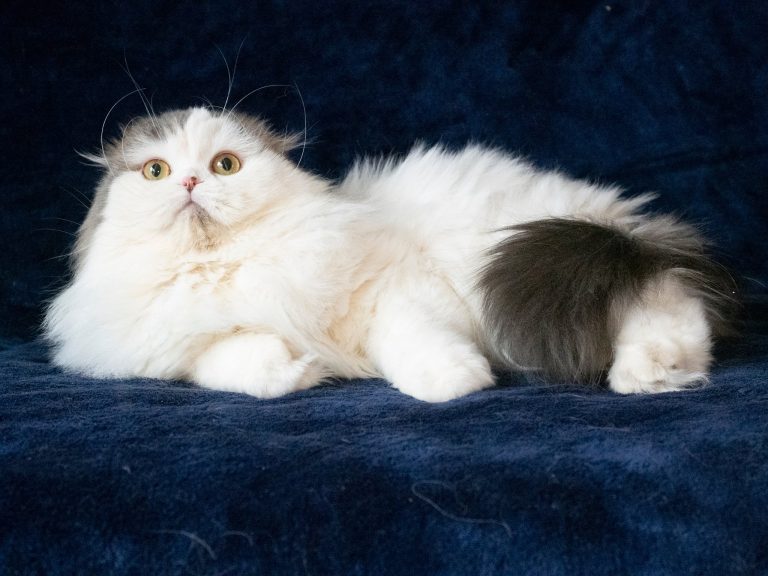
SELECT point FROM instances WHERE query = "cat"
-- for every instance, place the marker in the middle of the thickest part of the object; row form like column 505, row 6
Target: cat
column 208, row 255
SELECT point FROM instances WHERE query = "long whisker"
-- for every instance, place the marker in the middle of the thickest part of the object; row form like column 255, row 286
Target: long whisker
column 59, row 257
column 231, row 73
column 234, row 67
column 61, row 220
column 303, row 108
column 104, row 124
column 82, row 199
column 152, row 107
column 73, row 234
column 122, row 141
column 144, row 99
column 252, row 92
column 76, row 250
column 229, row 79
column 210, row 105
column 304, row 111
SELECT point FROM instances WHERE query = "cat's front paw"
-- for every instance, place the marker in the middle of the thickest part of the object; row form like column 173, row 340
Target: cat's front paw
column 257, row 364
column 440, row 380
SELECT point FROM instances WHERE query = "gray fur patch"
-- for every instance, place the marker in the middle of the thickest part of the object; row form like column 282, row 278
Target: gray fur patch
column 554, row 289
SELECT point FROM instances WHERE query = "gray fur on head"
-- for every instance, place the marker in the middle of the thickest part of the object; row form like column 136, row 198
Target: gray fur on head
column 555, row 289
column 148, row 128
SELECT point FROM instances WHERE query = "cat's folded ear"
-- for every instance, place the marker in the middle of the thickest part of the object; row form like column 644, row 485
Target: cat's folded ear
column 261, row 130
column 284, row 143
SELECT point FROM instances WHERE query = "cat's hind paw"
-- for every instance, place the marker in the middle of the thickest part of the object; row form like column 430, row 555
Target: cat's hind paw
column 649, row 369
column 664, row 343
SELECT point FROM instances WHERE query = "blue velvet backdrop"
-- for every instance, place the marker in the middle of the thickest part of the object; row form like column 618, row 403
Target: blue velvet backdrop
column 148, row 477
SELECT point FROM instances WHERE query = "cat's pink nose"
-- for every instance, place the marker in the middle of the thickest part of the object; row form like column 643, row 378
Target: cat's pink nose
column 189, row 182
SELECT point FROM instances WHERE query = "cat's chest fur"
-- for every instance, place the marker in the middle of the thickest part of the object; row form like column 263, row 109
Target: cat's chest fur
column 255, row 279
column 162, row 304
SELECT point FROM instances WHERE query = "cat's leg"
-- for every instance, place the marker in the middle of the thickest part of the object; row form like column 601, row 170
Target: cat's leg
column 664, row 341
column 424, row 355
column 257, row 364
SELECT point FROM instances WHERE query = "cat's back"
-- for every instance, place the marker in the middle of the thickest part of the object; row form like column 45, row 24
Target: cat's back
column 433, row 188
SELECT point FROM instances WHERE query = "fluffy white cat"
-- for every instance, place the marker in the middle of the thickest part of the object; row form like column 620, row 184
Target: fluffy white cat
column 208, row 255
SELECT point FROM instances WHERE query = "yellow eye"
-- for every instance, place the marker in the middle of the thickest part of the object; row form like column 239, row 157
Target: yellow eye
column 225, row 164
column 156, row 169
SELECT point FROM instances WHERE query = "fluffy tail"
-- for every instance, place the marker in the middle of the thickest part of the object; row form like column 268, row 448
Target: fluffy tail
column 555, row 290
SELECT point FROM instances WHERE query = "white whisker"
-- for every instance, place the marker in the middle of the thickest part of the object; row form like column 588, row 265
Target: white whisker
column 144, row 99
column 61, row 220
column 231, row 73
column 304, row 110
column 104, row 124
column 78, row 249
column 229, row 79
column 252, row 92
column 209, row 105
column 83, row 200
column 74, row 235
column 122, row 141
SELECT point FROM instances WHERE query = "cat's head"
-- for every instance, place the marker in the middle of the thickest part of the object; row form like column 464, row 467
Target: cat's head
column 192, row 174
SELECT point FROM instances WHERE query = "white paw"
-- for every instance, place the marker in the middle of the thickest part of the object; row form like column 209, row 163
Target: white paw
column 662, row 366
column 664, row 343
column 256, row 364
column 440, row 381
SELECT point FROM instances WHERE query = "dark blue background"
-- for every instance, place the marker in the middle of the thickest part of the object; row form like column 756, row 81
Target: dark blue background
column 144, row 477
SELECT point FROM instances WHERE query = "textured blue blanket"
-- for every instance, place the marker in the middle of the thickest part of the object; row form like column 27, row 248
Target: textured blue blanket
column 151, row 477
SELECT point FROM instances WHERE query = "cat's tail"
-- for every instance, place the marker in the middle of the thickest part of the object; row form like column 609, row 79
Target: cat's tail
column 555, row 291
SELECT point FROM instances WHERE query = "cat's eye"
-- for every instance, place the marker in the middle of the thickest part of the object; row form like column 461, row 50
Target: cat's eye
column 156, row 169
column 225, row 164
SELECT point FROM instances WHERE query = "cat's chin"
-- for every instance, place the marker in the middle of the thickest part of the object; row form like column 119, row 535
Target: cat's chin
column 201, row 229
column 191, row 209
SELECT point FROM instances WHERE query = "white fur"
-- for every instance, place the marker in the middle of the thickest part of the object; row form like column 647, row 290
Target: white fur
column 257, row 364
column 293, row 280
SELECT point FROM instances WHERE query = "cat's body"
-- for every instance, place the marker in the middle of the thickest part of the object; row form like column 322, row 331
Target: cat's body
column 267, row 279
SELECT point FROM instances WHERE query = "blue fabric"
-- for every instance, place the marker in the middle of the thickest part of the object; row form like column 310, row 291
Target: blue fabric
column 151, row 477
